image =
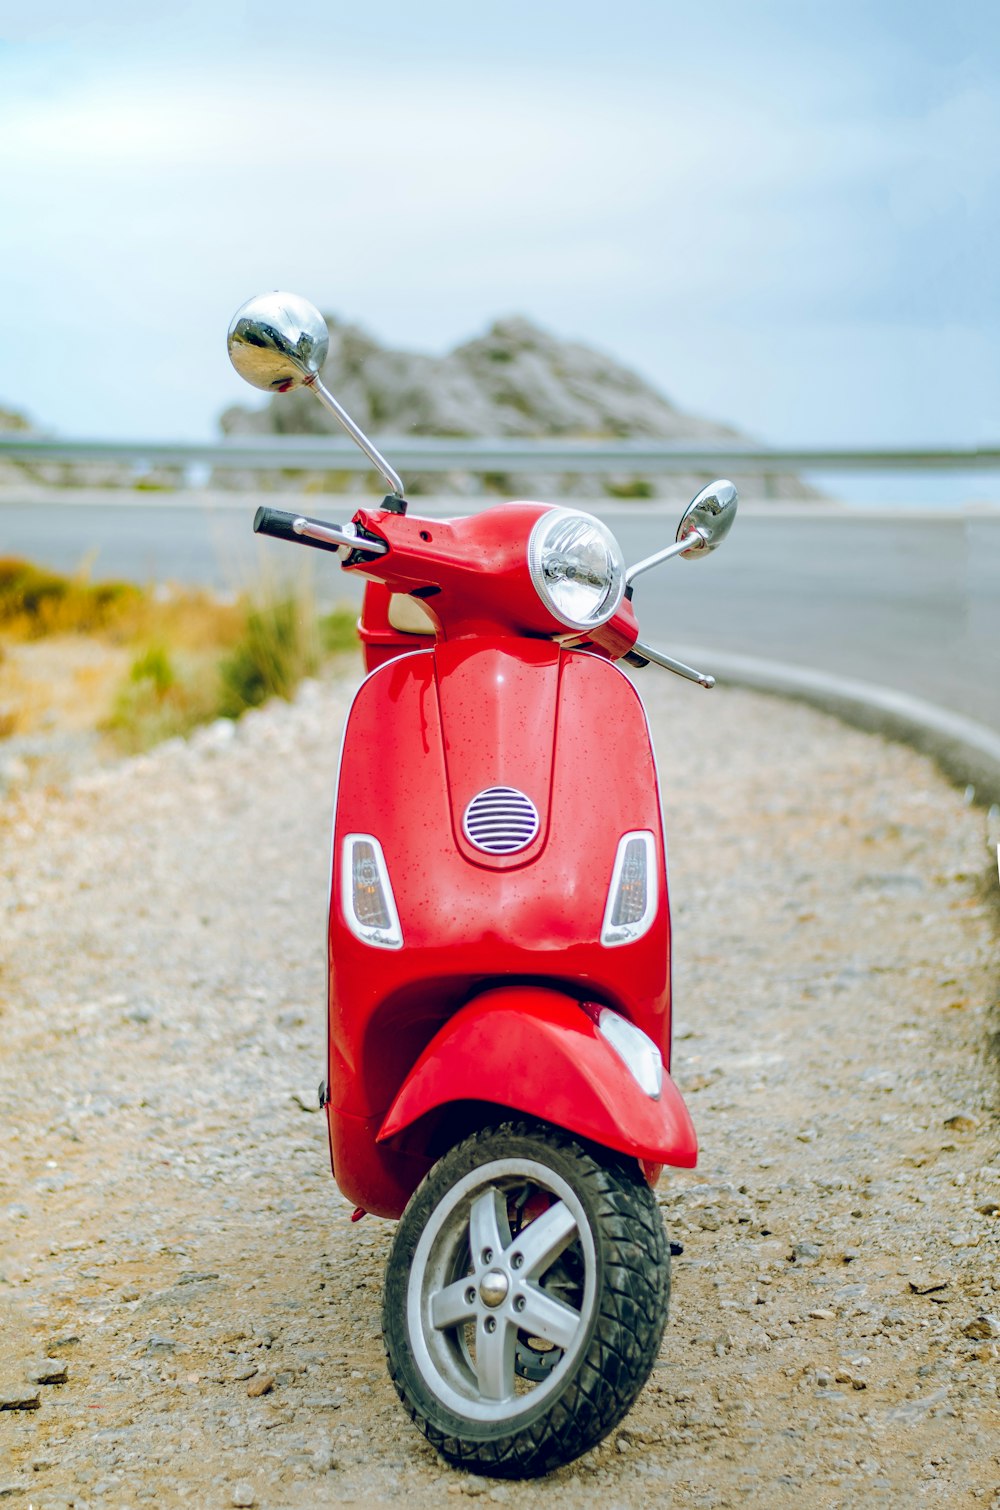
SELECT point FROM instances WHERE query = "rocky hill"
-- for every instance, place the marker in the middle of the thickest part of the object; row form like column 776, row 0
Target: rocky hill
column 516, row 380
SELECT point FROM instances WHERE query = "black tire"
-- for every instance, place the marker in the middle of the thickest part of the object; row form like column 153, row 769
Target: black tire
column 441, row 1306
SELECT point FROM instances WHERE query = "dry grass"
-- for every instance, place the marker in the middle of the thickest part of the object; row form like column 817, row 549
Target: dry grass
column 144, row 666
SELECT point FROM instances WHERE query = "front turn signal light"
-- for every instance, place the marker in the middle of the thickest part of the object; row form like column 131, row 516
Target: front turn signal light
column 632, row 895
column 366, row 893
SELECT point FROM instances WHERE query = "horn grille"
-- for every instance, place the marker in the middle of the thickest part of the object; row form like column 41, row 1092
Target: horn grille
column 501, row 820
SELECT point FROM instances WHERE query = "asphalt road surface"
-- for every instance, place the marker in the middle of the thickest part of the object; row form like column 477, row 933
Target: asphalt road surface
column 905, row 600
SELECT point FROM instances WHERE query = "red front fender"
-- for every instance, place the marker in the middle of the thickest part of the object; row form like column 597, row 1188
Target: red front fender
column 536, row 1051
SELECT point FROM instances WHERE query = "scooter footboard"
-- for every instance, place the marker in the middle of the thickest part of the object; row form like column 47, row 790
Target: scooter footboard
column 534, row 1050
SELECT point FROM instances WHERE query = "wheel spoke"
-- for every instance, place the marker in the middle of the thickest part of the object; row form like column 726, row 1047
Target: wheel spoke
column 449, row 1306
column 544, row 1316
column 488, row 1226
column 542, row 1240
column 495, row 1359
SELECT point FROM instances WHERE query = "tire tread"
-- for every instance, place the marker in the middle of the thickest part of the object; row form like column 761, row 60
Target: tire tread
column 632, row 1311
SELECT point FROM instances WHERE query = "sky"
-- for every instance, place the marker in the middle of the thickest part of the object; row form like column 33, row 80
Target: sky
column 782, row 213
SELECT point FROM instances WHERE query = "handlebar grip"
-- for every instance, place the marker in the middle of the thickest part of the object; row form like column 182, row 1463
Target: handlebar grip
column 278, row 522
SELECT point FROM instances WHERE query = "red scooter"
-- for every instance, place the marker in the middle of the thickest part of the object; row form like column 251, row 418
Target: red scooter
column 499, row 950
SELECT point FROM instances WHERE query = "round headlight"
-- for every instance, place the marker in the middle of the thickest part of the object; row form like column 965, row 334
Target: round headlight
column 577, row 567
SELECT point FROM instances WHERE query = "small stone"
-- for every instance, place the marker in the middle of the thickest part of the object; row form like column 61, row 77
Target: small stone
column 964, row 1239
column 805, row 1253
column 261, row 1385
column 324, row 1458
column 278, row 1417
column 18, row 1396
column 984, row 1328
column 221, row 732
column 243, row 1495
column 807, row 1135
column 849, row 1376
column 989, row 1208
column 821, row 1315
column 46, row 1372
column 924, row 1284
column 880, row 1080
column 961, row 1122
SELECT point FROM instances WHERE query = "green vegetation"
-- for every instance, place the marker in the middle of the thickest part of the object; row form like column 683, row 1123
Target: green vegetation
column 194, row 657
column 639, row 487
column 279, row 646
column 163, row 695
column 279, row 642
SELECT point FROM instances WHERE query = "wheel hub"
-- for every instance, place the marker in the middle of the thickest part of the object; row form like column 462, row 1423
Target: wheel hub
column 478, row 1292
column 493, row 1288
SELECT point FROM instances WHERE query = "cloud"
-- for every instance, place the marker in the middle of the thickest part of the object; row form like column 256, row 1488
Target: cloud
column 149, row 189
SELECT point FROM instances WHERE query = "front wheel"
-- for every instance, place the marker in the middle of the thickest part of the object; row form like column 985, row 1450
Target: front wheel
column 526, row 1294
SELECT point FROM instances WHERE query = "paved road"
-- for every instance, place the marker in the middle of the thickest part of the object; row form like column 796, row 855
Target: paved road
column 910, row 601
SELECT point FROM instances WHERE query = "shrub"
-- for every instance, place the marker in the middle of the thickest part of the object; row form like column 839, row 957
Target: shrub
column 196, row 656
column 279, row 647
column 154, row 666
column 639, row 487
column 36, row 602
column 338, row 631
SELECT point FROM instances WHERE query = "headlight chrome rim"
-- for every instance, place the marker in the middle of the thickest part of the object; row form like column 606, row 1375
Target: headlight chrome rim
column 538, row 541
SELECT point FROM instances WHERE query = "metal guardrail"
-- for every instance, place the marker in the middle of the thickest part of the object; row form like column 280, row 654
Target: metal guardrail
column 308, row 453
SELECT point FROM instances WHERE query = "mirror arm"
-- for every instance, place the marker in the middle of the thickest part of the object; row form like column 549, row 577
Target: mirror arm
column 669, row 664
column 359, row 437
column 678, row 548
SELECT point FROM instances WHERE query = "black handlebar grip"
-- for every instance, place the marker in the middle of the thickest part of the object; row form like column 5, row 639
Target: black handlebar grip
column 278, row 523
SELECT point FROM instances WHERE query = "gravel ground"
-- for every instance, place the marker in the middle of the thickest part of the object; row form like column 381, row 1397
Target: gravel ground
column 176, row 1261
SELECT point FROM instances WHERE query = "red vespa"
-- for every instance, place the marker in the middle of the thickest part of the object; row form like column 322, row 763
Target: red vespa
column 499, row 950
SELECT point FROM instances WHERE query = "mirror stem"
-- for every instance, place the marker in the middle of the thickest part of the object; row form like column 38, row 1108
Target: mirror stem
column 677, row 549
column 359, row 437
column 669, row 664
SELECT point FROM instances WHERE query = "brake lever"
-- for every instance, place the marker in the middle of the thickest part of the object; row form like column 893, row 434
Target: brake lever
column 343, row 535
column 669, row 664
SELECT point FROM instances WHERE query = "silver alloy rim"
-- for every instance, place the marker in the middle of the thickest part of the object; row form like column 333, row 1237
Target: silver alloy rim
column 476, row 1293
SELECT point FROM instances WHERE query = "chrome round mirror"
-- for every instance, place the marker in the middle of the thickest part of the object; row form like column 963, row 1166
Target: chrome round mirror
column 278, row 341
column 708, row 518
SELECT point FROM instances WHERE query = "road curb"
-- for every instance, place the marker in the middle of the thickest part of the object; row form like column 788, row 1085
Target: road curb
column 967, row 752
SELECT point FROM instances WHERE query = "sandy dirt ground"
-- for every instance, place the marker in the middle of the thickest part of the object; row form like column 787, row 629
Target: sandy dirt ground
column 177, row 1264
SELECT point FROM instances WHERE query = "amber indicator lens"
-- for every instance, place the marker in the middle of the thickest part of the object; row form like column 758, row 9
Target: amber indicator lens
column 369, row 899
column 630, row 903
